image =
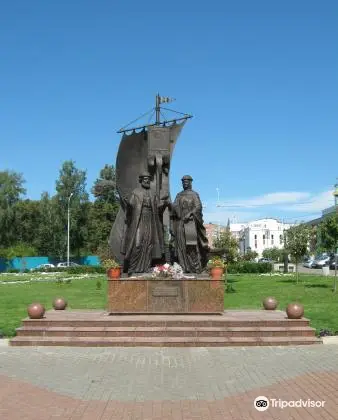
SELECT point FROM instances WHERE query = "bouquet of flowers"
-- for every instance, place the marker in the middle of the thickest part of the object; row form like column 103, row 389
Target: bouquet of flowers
column 166, row 270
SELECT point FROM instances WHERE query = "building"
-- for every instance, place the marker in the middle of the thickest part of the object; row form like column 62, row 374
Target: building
column 328, row 211
column 213, row 231
column 316, row 238
column 262, row 234
column 236, row 229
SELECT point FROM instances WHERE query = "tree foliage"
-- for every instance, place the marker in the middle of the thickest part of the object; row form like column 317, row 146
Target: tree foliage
column 249, row 255
column 328, row 233
column 71, row 191
column 297, row 240
column 11, row 190
column 274, row 254
column 228, row 242
column 104, row 209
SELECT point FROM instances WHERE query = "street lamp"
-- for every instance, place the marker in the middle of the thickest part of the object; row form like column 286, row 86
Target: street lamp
column 219, row 222
column 68, row 228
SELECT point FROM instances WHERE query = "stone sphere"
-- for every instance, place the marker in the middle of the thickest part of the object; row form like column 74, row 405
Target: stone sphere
column 270, row 303
column 59, row 304
column 36, row 310
column 295, row 310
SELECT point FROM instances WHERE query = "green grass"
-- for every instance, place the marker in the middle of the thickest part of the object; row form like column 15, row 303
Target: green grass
column 14, row 298
column 314, row 292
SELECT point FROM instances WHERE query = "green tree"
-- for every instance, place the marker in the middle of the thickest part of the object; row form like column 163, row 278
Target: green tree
column 274, row 254
column 249, row 255
column 297, row 240
column 103, row 211
column 229, row 243
column 71, row 189
column 26, row 221
column 328, row 231
column 104, row 188
column 11, row 191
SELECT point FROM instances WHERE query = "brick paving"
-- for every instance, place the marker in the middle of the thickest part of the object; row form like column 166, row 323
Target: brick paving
column 167, row 383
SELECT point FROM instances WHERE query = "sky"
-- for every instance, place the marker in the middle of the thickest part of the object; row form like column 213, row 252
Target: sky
column 259, row 77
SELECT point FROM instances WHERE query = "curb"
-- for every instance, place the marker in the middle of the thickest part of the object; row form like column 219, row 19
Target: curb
column 330, row 340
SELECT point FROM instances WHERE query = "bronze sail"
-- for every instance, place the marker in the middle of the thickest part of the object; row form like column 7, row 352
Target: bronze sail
column 149, row 150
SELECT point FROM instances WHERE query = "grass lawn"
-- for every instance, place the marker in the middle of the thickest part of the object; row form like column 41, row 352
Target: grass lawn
column 314, row 292
column 14, row 298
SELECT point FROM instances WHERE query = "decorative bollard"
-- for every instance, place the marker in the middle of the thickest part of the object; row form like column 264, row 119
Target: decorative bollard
column 270, row 303
column 36, row 310
column 295, row 310
column 59, row 304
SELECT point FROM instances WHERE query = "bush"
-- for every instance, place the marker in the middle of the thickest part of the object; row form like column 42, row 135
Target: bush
column 249, row 267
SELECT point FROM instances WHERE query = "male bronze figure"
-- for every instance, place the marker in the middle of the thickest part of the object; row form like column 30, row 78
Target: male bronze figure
column 143, row 238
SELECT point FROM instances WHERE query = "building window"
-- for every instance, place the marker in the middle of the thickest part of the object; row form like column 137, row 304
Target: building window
column 256, row 244
column 255, row 237
column 271, row 239
column 280, row 239
column 263, row 239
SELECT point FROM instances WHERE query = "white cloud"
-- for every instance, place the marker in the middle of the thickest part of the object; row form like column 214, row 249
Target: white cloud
column 222, row 217
column 268, row 199
column 281, row 205
column 316, row 203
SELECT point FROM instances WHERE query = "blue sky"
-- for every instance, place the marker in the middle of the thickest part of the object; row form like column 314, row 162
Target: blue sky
column 260, row 78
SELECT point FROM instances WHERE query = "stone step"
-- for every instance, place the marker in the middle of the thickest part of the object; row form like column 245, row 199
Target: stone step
column 122, row 322
column 162, row 341
column 165, row 331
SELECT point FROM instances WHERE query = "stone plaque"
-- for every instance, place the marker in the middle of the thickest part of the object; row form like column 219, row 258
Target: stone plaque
column 165, row 291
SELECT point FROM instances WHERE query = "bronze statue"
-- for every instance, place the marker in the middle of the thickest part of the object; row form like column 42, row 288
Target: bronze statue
column 143, row 237
column 189, row 235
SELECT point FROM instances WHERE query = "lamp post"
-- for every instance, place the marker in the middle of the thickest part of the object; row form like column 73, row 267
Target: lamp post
column 219, row 222
column 68, row 229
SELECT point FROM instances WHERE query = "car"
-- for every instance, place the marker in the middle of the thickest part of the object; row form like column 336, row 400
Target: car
column 264, row 260
column 320, row 262
column 43, row 266
column 309, row 263
column 332, row 262
column 65, row 264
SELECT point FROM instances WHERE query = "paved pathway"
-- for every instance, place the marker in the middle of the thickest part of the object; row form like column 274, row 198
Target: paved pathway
column 167, row 383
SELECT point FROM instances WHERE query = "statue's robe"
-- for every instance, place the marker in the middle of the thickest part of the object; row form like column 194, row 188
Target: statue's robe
column 143, row 239
column 190, row 241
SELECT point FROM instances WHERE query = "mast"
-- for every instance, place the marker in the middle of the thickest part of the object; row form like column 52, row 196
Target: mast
column 158, row 109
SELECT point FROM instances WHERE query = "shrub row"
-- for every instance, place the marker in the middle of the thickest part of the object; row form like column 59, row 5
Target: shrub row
column 249, row 267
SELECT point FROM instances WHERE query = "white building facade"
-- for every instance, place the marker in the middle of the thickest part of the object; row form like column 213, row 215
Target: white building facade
column 262, row 234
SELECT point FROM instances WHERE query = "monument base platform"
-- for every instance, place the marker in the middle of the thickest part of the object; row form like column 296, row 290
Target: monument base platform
column 165, row 295
column 99, row 329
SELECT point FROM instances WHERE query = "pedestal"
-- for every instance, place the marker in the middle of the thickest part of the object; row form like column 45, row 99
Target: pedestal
column 161, row 295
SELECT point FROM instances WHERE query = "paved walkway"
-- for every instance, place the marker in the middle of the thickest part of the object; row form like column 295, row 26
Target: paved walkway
column 168, row 383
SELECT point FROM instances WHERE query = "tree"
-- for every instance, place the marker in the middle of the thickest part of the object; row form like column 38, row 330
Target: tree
column 328, row 231
column 104, row 188
column 103, row 211
column 11, row 190
column 26, row 221
column 297, row 239
column 274, row 254
column 228, row 242
column 249, row 255
column 71, row 181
